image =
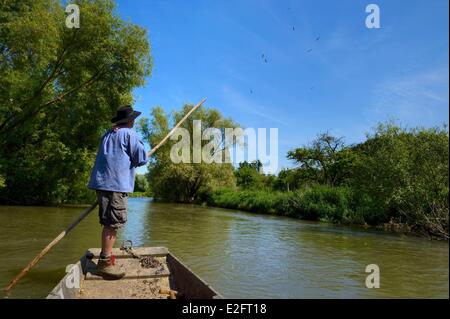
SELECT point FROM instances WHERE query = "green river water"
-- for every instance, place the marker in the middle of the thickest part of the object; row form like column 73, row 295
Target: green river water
column 241, row 255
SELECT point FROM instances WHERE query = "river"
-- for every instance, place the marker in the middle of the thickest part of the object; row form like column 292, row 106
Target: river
column 240, row 254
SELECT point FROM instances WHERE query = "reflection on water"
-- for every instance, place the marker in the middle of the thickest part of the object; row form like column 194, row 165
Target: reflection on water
column 242, row 255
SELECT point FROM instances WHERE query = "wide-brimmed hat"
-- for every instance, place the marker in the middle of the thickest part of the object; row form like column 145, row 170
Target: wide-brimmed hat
column 125, row 114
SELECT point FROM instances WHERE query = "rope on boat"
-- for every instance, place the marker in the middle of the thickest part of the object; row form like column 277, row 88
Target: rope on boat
column 145, row 261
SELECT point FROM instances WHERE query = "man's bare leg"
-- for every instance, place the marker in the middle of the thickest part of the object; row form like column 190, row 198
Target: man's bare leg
column 106, row 266
column 108, row 240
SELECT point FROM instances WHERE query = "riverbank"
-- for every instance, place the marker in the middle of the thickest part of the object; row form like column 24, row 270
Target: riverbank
column 138, row 194
column 338, row 205
column 390, row 227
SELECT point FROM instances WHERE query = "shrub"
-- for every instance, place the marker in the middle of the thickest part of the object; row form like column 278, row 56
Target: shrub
column 317, row 203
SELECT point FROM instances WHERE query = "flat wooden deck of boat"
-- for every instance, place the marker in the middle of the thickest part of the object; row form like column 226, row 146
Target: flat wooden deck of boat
column 169, row 279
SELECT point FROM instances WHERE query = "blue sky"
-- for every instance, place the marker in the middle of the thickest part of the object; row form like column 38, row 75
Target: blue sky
column 345, row 82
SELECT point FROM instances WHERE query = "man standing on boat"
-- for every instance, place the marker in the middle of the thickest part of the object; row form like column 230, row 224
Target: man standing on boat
column 120, row 152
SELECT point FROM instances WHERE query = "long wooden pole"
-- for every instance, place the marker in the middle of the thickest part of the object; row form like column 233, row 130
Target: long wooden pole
column 87, row 211
column 175, row 127
column 49, row 246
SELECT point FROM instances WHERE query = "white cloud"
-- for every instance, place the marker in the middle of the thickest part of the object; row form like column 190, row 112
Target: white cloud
column 416, row 99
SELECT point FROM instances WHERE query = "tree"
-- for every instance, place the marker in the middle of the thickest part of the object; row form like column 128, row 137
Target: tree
column 185, row 182
column 290, row 179
column 248, row 175
column 327, row 160
column 140, row 183
column 59, row 87
column 405, row 175
column 255, row 165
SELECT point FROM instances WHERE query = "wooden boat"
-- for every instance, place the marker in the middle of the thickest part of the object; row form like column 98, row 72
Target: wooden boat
column 165, row 277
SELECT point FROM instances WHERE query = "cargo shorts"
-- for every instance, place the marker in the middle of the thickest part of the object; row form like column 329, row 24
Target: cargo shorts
column 112, row 208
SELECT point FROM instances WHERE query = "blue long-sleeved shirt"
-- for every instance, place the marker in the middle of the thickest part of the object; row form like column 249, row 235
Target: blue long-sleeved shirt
column 120, row 152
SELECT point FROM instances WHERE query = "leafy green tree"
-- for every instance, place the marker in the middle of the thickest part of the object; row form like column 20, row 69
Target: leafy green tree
column 248, row 175
column 294, row 178
column 270, row 181
column 254, row 165
column 140, row 183
column 405, row 175
column 326, row 161
column 185, row 182
column 59, row 87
